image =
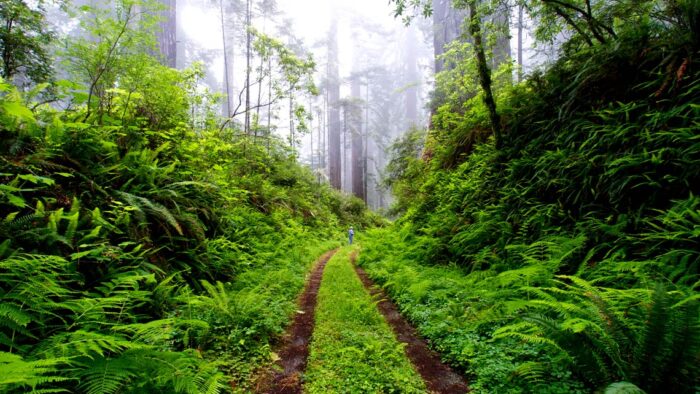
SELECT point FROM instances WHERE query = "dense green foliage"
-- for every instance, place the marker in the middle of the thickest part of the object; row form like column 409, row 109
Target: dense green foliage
column 146, row 245
column 142, row 247
column 353, row 348
column 24, row 39
column 567, row 260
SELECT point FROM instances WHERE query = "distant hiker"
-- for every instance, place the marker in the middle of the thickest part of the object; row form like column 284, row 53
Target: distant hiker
column 351, row 234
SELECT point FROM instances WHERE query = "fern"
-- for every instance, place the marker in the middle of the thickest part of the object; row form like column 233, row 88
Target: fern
column 161, row 332
column 147, row 370
column 107, row 375
column 33, row 288
column 623, row 388
column 85, row 344
column 533, row 372
column 15, row 372
column 612, row 330
column 143, row 205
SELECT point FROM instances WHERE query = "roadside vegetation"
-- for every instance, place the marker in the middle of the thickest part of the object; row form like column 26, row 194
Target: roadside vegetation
column 142, row 247
column 563, row 258
column 547, row 233
column 353, row 349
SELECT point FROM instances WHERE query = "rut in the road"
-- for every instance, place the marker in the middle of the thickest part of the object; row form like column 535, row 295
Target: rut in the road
column 438, row 377
column 295, row 345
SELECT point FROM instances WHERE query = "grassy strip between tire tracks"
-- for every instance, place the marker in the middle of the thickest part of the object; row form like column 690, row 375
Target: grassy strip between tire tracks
column 353, row 349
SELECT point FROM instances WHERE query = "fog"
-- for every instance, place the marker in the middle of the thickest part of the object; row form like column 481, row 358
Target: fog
column 372, row 75
column 369, row 40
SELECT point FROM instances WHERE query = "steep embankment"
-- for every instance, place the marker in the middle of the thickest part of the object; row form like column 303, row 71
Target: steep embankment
column 568, row 259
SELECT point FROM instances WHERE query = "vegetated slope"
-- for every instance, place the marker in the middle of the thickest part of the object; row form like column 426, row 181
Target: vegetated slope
column 569, row 259
column 137, row 255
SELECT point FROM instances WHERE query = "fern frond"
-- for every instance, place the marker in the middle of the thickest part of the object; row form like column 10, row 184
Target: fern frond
column 161, row 331
column 623, row 388
column 145, row 205
column 15, row 372
column 532, row 372
column 535, row 339
column 578, row 325
column 83, row 343
column 107, row 375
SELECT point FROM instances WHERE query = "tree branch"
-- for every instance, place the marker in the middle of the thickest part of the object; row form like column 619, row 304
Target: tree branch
column 593, row 23
column 103, row 69
column 573, row 24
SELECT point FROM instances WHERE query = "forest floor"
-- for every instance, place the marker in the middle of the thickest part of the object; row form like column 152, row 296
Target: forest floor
column 347, row 336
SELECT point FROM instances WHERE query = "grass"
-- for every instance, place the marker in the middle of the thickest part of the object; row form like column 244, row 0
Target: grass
column 353, row 349
column 263, row 299
column 458, row 311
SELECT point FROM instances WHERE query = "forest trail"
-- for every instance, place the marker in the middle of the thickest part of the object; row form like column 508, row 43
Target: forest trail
column 348, row 337
column 438, row 377
column 295, row 344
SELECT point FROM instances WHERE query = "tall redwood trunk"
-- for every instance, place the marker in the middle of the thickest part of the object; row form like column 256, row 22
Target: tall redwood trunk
column 334, row 124
column 248, row 55
column 412, row 77
column 228, row 65
column 167, row 33
column 358, row 183
column 520, row 43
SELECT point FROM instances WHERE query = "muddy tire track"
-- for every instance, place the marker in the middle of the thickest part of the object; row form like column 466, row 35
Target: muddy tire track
column 439, row 378
column 295, row 343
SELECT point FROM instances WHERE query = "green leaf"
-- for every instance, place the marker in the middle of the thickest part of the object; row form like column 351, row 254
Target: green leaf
column 37, row 179
column 16, row 200
column 623, row 388
column 17, row 110
column 11, row 217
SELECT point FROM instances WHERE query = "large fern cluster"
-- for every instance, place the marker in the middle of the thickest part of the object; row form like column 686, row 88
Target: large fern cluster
column 141, row 256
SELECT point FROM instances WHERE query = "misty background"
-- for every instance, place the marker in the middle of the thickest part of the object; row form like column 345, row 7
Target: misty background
column 370, row 81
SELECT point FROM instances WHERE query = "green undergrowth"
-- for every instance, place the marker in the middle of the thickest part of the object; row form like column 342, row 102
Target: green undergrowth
column 141, row 254
column 567, row 259
column 353, row 349
column 455, row 311
column 531, row 330
column 254, row 310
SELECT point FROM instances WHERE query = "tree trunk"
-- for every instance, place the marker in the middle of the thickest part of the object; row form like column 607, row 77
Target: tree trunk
column 292, row 143
column 502, row 50
column 358, row 184
column 7, row 56
column 269, row 104
column 366, row 138
column 248, row 55
column 228, row 105
column 334, row 126
column 412, row 78
column 167, row 33
column 311, row 134
column 484, row 71
column 344, row 144
column 319, row 162
column 261, row 76
column 520, row 43
column 324, row 145
column 447, row 22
